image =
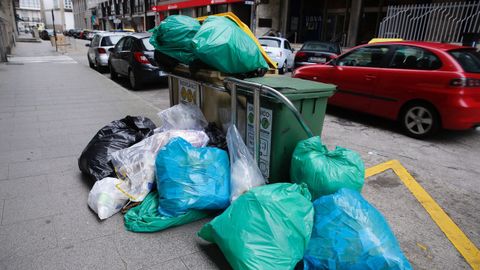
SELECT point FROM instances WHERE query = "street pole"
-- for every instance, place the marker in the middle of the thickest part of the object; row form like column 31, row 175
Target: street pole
column 54, row 32
column 253, row 16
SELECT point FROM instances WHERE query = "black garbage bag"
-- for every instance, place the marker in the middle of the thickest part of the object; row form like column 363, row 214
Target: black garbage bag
column 95, row 158
column 216, row 136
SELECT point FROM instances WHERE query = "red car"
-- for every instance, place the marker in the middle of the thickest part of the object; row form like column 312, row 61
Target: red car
column 424, row 85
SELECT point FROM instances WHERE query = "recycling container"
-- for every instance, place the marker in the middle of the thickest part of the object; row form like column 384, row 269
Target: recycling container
column 280, row 131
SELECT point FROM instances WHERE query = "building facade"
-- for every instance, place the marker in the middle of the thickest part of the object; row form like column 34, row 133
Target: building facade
column 7, row 29
column 349, row 22
column 29, row 14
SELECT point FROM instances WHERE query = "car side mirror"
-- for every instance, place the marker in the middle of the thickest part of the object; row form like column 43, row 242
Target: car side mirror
column 87, row 45
column 111, row 49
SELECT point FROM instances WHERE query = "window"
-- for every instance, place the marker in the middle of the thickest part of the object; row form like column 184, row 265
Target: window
column 67, row 4
column 96, row 41
column 365, row 57
column 110, row 40
column 468, row 59
column 286, row 45
column 118, row 47
column 262, row 22
column 269, row 42
column 321, row 46
column 409, row 57
column 128, row 44
column 147, row 45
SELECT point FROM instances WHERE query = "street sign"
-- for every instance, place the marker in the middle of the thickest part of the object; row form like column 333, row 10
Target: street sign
column 249, row 3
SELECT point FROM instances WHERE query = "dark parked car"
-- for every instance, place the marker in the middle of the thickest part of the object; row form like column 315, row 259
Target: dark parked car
column 316, row 52
column 133, row 56
column 46, row 34
column 424, row 85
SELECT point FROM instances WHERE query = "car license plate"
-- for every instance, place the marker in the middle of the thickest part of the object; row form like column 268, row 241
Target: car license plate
column 317, row 59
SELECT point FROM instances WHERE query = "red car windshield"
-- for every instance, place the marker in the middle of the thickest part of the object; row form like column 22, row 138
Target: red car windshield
column 468, row 59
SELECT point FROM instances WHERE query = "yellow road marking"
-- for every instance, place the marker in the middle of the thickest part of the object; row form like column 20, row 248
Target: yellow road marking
column 461, row 242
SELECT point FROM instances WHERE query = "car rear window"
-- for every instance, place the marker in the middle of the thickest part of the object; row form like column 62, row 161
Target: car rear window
column 147, row 45
column 267, row 42
column 319, row 46
column 468, row 59
column 110, row 40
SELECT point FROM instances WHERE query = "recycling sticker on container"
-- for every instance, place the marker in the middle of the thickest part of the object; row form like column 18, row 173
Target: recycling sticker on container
column 265, row 137
column 188, row 91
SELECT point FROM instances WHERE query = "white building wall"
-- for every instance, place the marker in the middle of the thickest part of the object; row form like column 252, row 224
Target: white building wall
column 269, row 11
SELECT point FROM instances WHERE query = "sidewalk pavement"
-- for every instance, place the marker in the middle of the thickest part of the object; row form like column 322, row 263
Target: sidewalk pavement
column 49, row 110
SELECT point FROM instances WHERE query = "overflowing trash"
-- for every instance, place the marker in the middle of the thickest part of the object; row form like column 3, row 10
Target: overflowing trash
column 191, row 178
column 145, row 217
column 349, row 233
column 95, row 158
column 105, row 199
column 244, row 171
column 325, row 171
column 221, row 44
column 266, row 228
column 136, row 164
column 173, row 37
column 189, row 169
column 218, row 43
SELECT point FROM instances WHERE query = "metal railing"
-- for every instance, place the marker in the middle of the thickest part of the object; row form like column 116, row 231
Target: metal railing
column 258, row 89
column 441, row 22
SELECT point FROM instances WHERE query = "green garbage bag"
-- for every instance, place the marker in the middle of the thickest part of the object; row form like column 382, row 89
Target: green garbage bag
column 267, row 227
column 173, row 37
column 145, row 217
column 324, row 171
column 221, row 44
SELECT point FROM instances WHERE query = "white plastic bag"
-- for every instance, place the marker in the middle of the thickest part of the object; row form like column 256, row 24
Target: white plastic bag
column 105, row 199
column 244, row 173
column 182, row 117
column 136, row 165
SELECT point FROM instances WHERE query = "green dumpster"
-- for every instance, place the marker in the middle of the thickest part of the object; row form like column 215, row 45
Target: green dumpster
column 280, row 131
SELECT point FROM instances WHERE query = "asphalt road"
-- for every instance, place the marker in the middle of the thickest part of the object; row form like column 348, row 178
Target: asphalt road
column 446, row 166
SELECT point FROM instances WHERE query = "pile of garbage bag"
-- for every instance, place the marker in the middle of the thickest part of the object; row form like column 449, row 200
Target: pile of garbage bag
column 176, row 177
column 218, row 42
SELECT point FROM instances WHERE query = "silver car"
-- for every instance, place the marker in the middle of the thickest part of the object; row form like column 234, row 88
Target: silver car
column 98, row 52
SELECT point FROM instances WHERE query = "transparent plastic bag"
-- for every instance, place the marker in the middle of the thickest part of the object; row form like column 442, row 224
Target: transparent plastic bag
column 136, row 164
column 105, row 199
column 244, row 172
column 181, row 117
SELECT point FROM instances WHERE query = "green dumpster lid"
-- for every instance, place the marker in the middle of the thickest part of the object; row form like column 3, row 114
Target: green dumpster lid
column 291, row 86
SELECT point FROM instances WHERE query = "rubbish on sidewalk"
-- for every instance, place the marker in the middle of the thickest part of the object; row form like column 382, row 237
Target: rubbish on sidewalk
column 244, row 172
column 349, row 233
column 95, row 158
column 145, row 217
column 135, row 165
column 105, row 199
column 266, row 228
column 216, row 136
column 220, row 43
column 182, row 116
column 191, row 178
column 324, row 171
column 173, row 37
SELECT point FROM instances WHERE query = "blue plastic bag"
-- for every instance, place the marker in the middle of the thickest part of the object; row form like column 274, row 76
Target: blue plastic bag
column 191, row 178
column 349, row 233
